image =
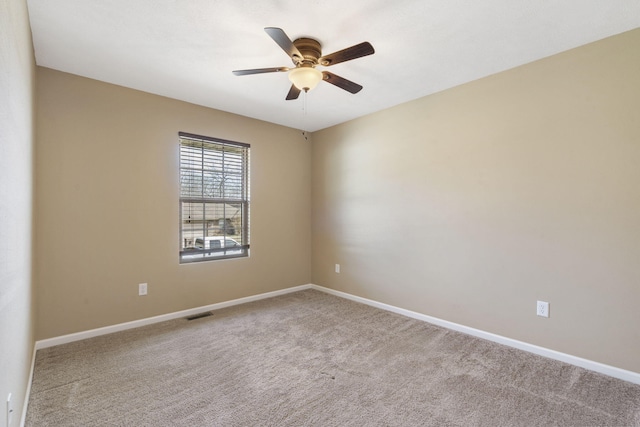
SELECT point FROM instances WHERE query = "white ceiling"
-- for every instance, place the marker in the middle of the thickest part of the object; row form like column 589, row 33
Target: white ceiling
column 187, row 49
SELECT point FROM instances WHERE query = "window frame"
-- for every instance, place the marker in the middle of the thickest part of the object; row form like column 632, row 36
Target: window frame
column 192, row 254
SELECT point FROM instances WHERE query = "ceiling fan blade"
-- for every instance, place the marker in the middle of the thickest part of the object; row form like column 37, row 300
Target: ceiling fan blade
column 294, row 93
column 341, row 82
column 283, row 40
column 353, row 52
column 260, row 71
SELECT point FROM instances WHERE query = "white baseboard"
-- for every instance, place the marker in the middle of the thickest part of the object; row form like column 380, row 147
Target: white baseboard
column 64, row 339
column 611, row 371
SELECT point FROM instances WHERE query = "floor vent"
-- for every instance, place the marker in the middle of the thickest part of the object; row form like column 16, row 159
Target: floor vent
column 199, row 315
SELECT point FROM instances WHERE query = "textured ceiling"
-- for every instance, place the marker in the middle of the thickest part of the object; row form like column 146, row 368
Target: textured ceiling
column 187, row 49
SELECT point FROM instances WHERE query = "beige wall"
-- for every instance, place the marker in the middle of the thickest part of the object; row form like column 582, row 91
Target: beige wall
column 107, row 206
column 471, row 204
column 17, row 70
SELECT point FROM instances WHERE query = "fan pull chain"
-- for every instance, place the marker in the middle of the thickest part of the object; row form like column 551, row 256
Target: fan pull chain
column 304, row 104
column 304, row 111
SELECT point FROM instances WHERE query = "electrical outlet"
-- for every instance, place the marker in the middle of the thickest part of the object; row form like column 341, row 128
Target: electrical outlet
column 142, row 289
column 9, row 410
column 542, row 309
column 337, row 268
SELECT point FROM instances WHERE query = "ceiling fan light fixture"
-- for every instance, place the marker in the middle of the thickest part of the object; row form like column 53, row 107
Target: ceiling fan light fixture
column 305, row 78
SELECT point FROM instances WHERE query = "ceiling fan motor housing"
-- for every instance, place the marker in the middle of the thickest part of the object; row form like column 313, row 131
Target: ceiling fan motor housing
column 310, row 49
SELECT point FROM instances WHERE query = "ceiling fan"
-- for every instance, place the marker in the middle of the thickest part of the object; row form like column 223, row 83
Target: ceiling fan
column 306, row 54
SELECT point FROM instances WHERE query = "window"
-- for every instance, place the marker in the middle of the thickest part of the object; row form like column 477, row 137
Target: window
column 214, row 198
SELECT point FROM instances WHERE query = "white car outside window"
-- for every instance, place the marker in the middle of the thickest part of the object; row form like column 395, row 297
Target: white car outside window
column 219, row 244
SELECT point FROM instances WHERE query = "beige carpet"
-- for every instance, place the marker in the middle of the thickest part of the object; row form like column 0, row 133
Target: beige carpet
column 312, row 359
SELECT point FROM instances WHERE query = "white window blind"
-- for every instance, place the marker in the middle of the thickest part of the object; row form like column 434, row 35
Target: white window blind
column 214, row 198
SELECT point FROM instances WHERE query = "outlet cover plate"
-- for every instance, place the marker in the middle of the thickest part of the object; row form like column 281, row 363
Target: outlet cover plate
column 9, row 410
column 542, row 309
column 142, row 289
